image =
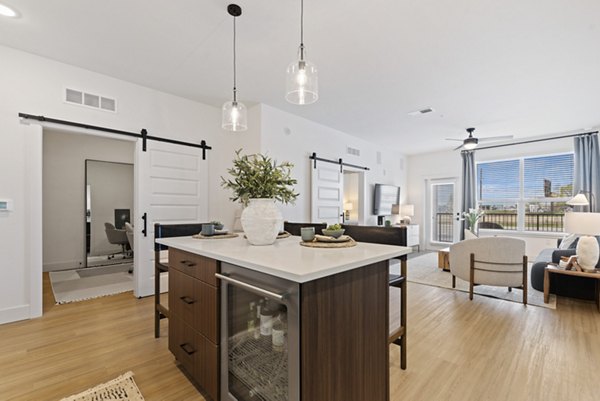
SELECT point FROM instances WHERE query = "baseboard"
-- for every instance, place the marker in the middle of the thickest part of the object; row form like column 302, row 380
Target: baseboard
column 14, row 314
column 64, row 265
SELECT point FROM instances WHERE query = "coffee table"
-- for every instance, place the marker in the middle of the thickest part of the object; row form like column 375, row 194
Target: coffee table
column 444, row 259
column 551, row 269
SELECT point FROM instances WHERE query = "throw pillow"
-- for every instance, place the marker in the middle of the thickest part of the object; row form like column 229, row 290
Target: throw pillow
column 569, row 242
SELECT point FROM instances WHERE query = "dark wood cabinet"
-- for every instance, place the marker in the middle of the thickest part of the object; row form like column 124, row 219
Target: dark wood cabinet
column 194, row 317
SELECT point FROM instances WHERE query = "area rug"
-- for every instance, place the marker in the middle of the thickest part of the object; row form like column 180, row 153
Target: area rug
column 82, row 284
column 424, row 270
column 121, row 388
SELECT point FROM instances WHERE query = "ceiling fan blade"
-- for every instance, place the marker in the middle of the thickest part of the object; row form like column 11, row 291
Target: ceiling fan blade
column 454, row 139
column 496, row 138
column 458, row 147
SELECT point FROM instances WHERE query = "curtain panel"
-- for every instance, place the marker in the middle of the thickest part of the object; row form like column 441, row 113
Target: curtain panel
column 469, row 197
column 587, row 169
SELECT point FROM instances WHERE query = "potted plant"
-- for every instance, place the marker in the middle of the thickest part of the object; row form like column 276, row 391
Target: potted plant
column 472, row 217
column 258, row 182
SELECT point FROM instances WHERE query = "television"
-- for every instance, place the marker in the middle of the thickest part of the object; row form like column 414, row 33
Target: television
column 385, row 196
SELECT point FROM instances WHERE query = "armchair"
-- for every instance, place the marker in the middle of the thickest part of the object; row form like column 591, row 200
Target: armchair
column 497, row 261
column 116, row 237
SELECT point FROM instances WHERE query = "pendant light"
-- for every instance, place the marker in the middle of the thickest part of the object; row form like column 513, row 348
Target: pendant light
column 234, row 112
column 302, row 85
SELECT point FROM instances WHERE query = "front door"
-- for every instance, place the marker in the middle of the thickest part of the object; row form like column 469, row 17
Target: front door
column 171, row 187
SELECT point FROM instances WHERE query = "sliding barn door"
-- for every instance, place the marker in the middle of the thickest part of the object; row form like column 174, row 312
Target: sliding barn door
column 171, row 187
column 327, row 193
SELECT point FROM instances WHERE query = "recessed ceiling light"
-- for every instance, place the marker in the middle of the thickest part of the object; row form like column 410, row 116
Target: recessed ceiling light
column 6, row 11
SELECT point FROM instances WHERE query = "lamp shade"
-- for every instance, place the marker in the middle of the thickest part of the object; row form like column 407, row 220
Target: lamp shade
column 408, row 210
column 395, row 209
column 582, row 223
column 348, row 206
column 579, row 200
column 234, row 116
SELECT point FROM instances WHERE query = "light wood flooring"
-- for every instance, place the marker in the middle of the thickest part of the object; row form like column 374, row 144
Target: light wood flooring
column 484, row 349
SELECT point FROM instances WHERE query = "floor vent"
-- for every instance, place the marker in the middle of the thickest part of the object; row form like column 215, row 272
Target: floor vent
column 352, row 151
column 81, row 98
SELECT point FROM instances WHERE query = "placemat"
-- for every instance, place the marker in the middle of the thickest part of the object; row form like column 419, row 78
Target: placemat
column 216, row 236
column 319, row 244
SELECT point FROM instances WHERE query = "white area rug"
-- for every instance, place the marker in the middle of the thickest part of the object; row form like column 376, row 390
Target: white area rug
column 70, row 286
column 424, row 270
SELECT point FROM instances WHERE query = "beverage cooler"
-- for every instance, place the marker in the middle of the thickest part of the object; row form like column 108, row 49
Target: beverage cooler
column 260, row 344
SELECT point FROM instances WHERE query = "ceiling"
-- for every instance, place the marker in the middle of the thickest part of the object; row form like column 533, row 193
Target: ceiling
column 525, row 68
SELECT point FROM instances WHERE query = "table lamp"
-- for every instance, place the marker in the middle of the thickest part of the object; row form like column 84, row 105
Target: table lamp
column 587, row 225
column 408, row 211
column 348, row 207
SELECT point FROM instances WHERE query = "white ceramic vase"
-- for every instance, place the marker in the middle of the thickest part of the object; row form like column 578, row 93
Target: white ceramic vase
column 261, row 221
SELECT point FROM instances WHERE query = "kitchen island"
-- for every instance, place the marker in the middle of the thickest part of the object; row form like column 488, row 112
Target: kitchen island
column 332, row 305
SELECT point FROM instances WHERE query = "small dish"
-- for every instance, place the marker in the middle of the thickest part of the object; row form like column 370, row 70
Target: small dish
column 333, row 233
column 221, row 232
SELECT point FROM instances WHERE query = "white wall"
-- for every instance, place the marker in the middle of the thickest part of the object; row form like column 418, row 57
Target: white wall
column 447, row 164
column 35, row 85
column 285, row 136
column 64, row 156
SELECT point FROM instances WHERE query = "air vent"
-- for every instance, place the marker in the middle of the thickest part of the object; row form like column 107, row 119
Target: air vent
column 422, row 111
column 378, row 157
column 86, row 99
column 352, row 151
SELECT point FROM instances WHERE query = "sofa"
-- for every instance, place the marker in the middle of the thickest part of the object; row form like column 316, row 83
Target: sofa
column 563, row 285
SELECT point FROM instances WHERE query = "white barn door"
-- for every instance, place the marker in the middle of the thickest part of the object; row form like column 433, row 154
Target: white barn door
column 171, row 184
column 327, row 194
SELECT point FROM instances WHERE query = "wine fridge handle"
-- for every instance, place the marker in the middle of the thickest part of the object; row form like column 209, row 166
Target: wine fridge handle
column 253, row 288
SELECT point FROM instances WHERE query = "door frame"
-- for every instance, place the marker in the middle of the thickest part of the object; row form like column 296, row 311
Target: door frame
column 34, row 174
column 362, row 192
column 428, row 229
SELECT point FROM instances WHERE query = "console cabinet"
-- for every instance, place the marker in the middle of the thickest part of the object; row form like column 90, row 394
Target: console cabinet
column 194, row 319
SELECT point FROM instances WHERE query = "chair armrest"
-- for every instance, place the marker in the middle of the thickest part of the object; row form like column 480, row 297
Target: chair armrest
column 556, row 255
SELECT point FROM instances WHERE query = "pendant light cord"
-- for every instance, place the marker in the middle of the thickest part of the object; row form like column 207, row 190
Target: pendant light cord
column 301, row 29
column 234, row 69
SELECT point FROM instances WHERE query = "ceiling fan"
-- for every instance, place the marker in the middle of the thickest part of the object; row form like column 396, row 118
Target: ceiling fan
column 471, row 142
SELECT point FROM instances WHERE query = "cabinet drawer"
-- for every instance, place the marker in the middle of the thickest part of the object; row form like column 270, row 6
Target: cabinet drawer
column 197, row 355
column 194, row 265
column 195, row 302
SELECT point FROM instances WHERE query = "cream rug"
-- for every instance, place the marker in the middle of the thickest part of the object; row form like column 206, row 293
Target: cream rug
column 79, row 285
column 424, row 270
column 121, row 388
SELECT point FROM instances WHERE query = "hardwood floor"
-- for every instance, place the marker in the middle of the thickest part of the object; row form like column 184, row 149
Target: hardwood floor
column 484, row 349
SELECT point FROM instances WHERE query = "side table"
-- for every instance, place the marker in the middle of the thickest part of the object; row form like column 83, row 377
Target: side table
column 551, row 269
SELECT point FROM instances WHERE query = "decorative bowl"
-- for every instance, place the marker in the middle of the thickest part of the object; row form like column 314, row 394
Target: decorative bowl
column 333, row 233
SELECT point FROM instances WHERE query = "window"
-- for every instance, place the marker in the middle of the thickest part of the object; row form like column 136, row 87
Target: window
column 526, row 194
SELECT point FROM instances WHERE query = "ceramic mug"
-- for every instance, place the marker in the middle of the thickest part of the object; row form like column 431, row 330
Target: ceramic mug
column 307, row 233
column 208, row 229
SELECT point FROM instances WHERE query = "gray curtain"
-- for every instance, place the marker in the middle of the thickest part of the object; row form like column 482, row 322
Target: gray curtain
column 469, row 197
column 587, row 169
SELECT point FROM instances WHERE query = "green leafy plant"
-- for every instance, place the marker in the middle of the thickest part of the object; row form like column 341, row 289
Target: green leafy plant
column 471, row 217
column 216, row 223
column 334, row 227
column 259, row 176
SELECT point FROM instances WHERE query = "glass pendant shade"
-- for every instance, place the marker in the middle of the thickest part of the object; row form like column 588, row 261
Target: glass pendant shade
column 234, row 116
column 302, row 84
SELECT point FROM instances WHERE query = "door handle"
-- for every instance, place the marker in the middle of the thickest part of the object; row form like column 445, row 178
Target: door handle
column 187, row 300
column 253, row 288
column 187, row 348
column 145, row 218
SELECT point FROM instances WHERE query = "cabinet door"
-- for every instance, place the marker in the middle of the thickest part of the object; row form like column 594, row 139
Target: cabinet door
column 195, row 303
column 194, row 265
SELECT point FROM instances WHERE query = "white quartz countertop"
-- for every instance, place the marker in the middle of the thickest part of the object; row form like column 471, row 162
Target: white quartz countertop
column 286, row 258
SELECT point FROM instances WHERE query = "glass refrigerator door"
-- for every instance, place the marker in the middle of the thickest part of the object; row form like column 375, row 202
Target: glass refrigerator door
column 257, row 347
